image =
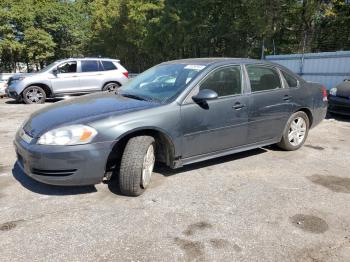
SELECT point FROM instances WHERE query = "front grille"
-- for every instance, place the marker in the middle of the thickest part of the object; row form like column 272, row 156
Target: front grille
column 40, row 172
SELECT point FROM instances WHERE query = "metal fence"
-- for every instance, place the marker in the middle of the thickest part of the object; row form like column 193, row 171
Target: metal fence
column 328, row 68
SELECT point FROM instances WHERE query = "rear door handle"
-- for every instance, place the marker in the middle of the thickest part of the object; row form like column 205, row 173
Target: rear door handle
column 238, row 106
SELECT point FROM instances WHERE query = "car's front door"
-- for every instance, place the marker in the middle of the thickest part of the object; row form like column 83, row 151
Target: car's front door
column 269, row 104
column 91, row 75
column 65, row 79
column 218, row 124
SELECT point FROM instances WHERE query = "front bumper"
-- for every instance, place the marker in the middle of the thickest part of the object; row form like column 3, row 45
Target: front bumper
column 12, row 94
column 339, row 105
column 63, row 165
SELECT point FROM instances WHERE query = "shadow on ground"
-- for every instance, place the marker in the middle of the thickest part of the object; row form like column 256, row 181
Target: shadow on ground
column 49, row 100
column 338, row 117
column 45, row 189
column 165, row 171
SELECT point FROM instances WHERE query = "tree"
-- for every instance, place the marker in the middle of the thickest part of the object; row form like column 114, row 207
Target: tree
column 39, row 46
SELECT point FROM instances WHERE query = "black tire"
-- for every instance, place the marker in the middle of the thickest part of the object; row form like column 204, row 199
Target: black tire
column 285, row 143
column 39, row 99
column 130, row 173
column 110, row 87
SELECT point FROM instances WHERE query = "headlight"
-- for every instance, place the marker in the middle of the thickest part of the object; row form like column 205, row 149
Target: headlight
column 333, row 91
column 69, row 135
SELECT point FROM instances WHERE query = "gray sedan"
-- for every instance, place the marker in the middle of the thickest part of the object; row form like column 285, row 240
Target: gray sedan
column 210, row 108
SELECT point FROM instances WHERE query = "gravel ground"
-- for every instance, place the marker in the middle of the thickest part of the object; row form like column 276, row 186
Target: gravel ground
column 261, row 205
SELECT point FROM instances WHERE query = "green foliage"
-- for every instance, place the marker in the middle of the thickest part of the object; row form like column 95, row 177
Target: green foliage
column 144, row 32
column 36, row 32
column 39, row 45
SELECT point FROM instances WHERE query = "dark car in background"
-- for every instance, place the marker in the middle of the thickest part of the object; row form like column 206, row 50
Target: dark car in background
column 179, row 112
column 339, row 99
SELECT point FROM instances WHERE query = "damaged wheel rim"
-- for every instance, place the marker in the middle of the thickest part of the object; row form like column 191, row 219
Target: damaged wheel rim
column 147, row 167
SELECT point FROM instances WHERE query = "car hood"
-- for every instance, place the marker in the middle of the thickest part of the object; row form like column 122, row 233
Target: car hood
column 343, row 90
column 82, row 110
column 16, row 76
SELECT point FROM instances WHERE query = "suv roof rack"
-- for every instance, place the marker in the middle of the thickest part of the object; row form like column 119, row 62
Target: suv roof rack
column 92, row 57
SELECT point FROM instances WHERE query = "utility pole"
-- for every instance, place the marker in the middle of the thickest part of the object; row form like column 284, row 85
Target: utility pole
column 303, row 56
column 263, row 50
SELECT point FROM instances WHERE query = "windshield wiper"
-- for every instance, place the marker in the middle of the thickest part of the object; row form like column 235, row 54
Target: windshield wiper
column 138, row 97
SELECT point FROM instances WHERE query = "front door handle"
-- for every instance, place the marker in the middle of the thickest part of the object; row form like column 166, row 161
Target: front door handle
column 286, row 98
column 238, row 106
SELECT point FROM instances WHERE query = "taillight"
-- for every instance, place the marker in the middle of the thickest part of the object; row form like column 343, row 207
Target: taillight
column 126, row 74
column 324, row 94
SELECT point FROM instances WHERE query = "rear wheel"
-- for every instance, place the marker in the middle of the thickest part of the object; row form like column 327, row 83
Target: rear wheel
column 295, row 132
column 34, row 95
column 136, row 165
column 111, row 87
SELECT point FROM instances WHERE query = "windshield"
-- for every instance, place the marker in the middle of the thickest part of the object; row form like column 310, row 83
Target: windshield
column 48, row 67
column 161, row 83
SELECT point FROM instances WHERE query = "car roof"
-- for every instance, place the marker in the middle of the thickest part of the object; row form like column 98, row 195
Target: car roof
column 90, row 58
column 217, row 60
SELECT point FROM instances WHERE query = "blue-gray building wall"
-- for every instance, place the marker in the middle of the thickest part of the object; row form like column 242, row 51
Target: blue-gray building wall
column 328, row 68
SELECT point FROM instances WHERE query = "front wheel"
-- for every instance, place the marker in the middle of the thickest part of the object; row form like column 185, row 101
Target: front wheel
column 136, row 165
column 34, row 95
column 295, row 132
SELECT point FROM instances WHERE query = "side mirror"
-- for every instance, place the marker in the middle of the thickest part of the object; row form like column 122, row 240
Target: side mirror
column 54, row 71
column 205, row 95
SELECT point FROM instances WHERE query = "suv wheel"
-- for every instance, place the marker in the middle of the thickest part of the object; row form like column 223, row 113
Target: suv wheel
column 111, row 87
column 296, row 132
column 136, row 165
column 34, row 95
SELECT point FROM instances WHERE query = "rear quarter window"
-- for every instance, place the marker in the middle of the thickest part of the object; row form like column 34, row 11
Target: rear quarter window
column 291, row 81
column 108, row 65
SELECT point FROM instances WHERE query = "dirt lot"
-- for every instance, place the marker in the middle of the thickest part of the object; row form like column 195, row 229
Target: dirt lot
column 262, row 205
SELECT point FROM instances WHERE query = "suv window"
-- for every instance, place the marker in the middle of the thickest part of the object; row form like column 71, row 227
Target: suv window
column 108, row 65
column 291, row 81
column 225, row 81
column 69, row 67
column 90, row 66
column 263, row 78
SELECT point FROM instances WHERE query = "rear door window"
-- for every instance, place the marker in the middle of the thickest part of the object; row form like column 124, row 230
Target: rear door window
column 108, row 65
column 90, row 66
column 263, row 78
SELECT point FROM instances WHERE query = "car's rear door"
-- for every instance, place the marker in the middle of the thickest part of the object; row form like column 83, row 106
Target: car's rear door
column 91, row 75
column 269, row 103
column 218, row 124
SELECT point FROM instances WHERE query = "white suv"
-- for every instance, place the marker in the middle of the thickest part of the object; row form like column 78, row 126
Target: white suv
column 68, row 77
